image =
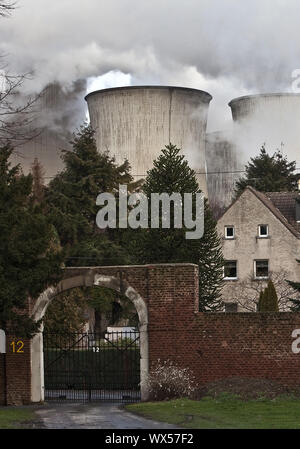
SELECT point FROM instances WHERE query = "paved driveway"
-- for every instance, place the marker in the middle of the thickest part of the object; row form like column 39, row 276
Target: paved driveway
column 94, row 416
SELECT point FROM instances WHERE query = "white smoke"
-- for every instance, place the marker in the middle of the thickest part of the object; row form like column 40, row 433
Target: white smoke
column 274, row 125
column 228, row 48
column 254, row 41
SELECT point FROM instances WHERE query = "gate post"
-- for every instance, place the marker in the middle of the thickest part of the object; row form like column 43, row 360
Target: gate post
column 144, row 362
column 37, row 368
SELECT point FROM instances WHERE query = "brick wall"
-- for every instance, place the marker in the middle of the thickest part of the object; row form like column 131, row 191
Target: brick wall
column 18, row 371
column 213, row 345
column 217, row 346
column 18, row 368
column 2, row 380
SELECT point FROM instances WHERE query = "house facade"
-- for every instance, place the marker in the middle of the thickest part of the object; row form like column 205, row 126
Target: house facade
column 260, row 234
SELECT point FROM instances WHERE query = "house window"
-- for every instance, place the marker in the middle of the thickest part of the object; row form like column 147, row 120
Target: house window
column 261, row 269
column 231, row 307
column 263, row 230
column 229, row 232
column 230, row 269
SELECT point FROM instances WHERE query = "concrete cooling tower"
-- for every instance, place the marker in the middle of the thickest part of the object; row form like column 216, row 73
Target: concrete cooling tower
column 135, row 123
column 223, row 168
column 56, row 115
column 273, row 119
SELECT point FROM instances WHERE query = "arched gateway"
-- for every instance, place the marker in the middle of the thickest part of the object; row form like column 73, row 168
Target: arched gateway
column 114, row 278
column 165, row 297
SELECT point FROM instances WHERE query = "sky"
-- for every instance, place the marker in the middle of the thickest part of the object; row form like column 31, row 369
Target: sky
column 228, row 48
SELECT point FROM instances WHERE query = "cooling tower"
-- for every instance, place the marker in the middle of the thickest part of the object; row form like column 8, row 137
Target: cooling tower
column 57, row 113
column 135, row 123
column 223, row 168
column 272, row 119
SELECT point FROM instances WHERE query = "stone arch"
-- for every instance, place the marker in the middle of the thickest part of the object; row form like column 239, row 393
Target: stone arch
column 89, row 279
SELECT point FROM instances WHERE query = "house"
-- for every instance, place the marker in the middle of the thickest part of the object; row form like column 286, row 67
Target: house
column 260, row 234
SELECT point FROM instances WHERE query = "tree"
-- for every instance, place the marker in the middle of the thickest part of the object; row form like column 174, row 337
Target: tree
column 115, row 306
column 171, row 174
column 28, row 261
column 247, row 291
column 268, row 301
column 6, row 7
column 38, row 187
column 260, row 301
column 66, row 313
column 71, row 202
column 17, row 115
column 295, row 301
column 268, row 173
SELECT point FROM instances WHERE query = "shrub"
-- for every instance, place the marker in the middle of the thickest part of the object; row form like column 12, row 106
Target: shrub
column 268, row 300
column 168, row 381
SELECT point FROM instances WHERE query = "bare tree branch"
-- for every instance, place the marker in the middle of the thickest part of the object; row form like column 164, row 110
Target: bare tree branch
column 246, row 293
column 6, row 7
column 17, row 112
column 17, row 115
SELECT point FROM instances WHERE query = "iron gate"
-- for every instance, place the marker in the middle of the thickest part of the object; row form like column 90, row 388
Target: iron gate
column 92, row 367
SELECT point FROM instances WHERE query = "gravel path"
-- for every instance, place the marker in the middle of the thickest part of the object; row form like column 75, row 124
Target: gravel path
column 94, row 416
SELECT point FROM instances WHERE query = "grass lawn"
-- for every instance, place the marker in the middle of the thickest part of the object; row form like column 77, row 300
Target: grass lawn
column 224, row 412
column 16, row 418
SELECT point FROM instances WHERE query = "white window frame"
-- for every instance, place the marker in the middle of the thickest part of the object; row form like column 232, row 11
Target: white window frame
column 229, row 237
column 254, row 266
column 231, row 278
column 263, row 236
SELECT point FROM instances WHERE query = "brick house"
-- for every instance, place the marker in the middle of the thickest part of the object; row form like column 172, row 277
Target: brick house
column 260, row 234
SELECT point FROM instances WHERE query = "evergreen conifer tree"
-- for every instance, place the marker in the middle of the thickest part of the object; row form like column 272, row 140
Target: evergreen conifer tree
column 28, row 261
column 172, row 174
column 260, row 299
column 268, row 300
column 269, row 173
column 38, row 187
column 71, row 202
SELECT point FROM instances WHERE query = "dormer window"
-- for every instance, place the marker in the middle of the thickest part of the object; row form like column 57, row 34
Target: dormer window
column 263, row 231
column 229, row 232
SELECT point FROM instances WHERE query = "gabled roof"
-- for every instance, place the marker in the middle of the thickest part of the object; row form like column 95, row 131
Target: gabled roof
column 285, row 202
column 281, row 204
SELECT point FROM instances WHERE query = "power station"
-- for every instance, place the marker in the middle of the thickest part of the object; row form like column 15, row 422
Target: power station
column 271, row 119
column 136, row 122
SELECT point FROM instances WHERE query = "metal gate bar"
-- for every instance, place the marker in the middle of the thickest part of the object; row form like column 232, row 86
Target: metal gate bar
column 92, row 366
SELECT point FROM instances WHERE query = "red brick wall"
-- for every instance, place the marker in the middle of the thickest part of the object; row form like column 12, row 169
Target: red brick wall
column 217, row 346
column 18, row 372
column 2, row 380
column 214, row 345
